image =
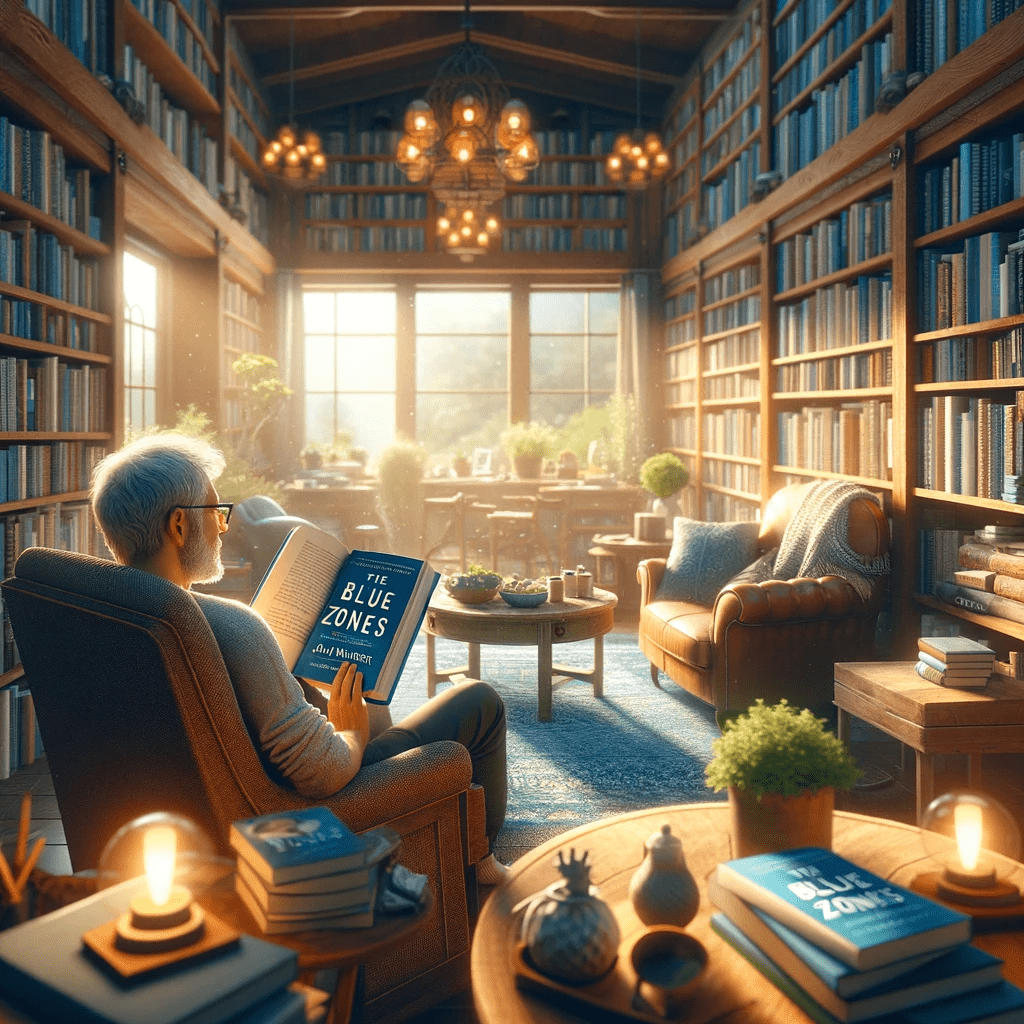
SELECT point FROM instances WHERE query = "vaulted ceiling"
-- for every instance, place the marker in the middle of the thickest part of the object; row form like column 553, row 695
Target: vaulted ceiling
column 378, row 55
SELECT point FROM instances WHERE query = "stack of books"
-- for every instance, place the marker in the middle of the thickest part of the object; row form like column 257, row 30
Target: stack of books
column 954, row 661
column 846, row 945
column 306, row 870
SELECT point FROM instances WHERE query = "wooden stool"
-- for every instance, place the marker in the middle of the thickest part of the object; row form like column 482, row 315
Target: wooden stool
column 522, row 528
column 453, row 508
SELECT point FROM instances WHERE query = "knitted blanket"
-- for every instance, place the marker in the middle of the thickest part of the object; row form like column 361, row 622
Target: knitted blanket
column 816, row 541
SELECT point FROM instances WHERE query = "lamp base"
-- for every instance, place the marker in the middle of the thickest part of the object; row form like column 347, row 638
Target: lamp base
column 103, row 942
column 992, row 908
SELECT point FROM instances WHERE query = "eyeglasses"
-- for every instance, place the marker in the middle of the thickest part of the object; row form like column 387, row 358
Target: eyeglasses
column 224, row 511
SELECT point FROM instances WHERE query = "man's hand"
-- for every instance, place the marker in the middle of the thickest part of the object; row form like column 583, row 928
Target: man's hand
column 346, row 710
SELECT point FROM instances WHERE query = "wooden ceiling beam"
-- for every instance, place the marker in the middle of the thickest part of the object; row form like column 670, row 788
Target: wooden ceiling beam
column 658, row 10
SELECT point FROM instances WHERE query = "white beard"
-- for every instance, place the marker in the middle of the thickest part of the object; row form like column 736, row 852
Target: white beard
column 201, row 561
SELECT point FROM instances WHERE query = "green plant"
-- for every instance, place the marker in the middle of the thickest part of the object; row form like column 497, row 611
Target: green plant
column 528, row 440
column 663, row 474
column 263, row 395
column 779, row 749
column 399, row 480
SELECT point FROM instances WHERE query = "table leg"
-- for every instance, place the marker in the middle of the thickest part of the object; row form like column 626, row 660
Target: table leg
column 343, row 1002
column 599, row 665
column 474, row 661
column 843, row 726
column 925, row 781
column 431, row 666
column 544, row 660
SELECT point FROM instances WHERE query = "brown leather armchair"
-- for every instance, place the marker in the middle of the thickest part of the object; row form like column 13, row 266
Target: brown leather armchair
column 137, row 714
column 771, row 639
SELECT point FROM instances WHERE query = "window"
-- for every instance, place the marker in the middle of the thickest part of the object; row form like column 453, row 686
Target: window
column 574, row 340
column 462, row 340
column 140, row 283
column 350, row 360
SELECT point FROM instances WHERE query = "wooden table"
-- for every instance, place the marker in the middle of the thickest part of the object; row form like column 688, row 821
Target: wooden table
column 624, row 553
column 343, row 949
column 931, row 719
column 502, row 625
column 616, row 847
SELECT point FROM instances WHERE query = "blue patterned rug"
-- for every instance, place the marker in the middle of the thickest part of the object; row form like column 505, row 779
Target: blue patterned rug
column 638, row 746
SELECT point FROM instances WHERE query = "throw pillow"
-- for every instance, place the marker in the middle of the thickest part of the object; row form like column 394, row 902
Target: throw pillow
column 704, row 557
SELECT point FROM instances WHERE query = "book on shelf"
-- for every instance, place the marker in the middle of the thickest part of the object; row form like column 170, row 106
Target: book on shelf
column 976, row 579
column 828, row 981
column 958, row 668
column 953, row 649
column 975, row 555
column 980, row 601
column 308, row 842
column 327, row 605
column 359, row 916
column 1000, row 1003
column 934, row 675
column 862, row 919
column 44, row 967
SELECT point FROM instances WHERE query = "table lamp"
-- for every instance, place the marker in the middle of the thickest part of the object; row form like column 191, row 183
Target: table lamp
column 962, row 830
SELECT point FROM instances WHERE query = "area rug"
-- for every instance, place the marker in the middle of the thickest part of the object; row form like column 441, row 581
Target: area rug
column 637, row 746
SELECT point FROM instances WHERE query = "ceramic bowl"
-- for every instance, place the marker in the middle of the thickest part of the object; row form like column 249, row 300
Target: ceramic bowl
column 520, row 600
column 670, row 966
column 473, row 595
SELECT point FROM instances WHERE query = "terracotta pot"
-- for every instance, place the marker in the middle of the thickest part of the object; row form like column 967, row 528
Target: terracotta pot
column 776, row 822
column 527, row 466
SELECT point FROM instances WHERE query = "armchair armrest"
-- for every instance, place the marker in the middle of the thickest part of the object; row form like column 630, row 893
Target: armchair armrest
column 783, row 600
column 648, row 574
column 401, row 784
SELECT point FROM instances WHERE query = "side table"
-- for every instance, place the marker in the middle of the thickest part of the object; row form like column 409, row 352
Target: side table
column 622, row 553
column 929, row 718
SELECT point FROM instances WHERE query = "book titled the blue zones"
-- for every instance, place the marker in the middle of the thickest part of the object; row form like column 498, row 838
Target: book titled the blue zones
column 864, row 920
column 303, row 843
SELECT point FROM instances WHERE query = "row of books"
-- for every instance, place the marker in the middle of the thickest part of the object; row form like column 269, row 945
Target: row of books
column 984, row 174
column 48, row 394
column 680, row 304
column 732, row 282
column 981, row 279
column 956, row 661
column 988, row 357
column 868, row 370
column 857, row 19
column 807, row 16
column 239, row 300
column 34, row 169
column 41, row 470
column 39, row 261
column 736, row 135
column 20, row 742
column 732, row 432
column 686, row 148
column 970, row 446
column 560, row 239
column 740, row 349
column 743, row 312
column 837, row 317
column 176, row 32
column 680, row 392
column 81, row 25
column 251, row 101
column 348, row 239
column 346, row 206
column 683, row 114
column 732, row 54
column 1002, row 593
column 737, row 476
column 681, row 428
column 732, row 192
column 853, row 439
column 182, row 133
column 860, row 232
column 847, row 945
column 21, row 318
column 835, row 110
column 930, row 44
column 681, row 363
column 730, row 508
column 255, row 203
column 746, row 384
column 240, row 128
column 740, row 88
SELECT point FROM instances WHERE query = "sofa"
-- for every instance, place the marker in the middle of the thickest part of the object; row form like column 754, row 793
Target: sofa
column 771, row 638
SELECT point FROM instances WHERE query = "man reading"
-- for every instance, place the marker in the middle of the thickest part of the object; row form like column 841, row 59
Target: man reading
column 158, row 509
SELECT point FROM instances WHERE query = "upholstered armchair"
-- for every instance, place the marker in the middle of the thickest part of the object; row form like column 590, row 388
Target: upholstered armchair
column 137, row 714
column 769, row 638
column 259, row 526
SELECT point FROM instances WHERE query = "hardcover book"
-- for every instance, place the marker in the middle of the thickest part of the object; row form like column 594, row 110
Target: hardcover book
column 45, row 968
column 327, row 605
column 273, row 900
column 864, row 920
column 951, row 649
column 933, row 675
column 279, row 924
column 958, row 668
column 304, row 843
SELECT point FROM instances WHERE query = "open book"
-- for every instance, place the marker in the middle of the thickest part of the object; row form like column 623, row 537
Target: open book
column 326, row 605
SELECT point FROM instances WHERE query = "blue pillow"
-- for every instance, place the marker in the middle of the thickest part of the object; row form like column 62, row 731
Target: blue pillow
column 704, row 557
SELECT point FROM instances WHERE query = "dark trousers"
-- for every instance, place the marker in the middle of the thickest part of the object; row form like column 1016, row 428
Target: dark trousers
column 471, row 713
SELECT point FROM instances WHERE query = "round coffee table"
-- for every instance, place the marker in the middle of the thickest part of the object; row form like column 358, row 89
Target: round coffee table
column 733, row 992
column 500, row 624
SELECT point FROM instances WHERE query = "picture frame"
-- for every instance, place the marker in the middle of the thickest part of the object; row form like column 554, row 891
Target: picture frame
column 481, row 462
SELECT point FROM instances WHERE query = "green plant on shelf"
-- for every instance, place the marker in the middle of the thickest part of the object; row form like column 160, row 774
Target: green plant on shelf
column 664, row 474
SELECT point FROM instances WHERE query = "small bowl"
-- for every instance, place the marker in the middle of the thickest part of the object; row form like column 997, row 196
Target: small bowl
column 472, row 595
column 520, row 600
column 670, row 965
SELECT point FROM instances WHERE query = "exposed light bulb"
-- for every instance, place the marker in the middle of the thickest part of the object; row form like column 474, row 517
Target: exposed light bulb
column 466, row 231
column 492, row 224
column 482, row 239
column 412, row 151
column 467, row 215
column 967, row 825
column 443, row 224
column 159, row 846
column 453, row 239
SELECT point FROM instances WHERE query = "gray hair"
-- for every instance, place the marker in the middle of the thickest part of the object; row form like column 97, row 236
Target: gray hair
column 135, row 489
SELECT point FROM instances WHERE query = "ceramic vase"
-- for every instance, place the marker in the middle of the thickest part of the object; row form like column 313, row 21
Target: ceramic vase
column 775, row 822
column 662, row 890
column 668, row 507
column 570, row 933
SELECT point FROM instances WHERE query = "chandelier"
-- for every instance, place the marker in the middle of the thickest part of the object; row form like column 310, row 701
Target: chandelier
column 466, row 138
column 637, row 158
column 296, row 161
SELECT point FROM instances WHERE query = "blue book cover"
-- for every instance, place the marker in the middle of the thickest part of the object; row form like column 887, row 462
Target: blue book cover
column 44, row 967
column 864, row 920
column 966, row 173
column 972, row 285
column 328, row 605
column 303, row 843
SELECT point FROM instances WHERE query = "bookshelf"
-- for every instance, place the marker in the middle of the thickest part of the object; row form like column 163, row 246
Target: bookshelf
column 681, row 196
column 243, row 330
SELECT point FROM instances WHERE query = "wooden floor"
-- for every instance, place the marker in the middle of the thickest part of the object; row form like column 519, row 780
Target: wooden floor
column 886, row 791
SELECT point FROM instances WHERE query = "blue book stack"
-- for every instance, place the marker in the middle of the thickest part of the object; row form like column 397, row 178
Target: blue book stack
column 846, row 945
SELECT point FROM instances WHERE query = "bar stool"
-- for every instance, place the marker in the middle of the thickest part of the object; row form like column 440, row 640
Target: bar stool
column 453, row 510
column 520, row 528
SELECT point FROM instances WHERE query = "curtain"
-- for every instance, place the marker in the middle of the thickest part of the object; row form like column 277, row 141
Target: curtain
column 640, row 345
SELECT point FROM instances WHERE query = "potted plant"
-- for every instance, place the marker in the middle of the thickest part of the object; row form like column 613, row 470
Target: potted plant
column 782, row 768
column 400, row 494
column 568, row 465
column 526, row 445
column 461, row 466
column 664, row 476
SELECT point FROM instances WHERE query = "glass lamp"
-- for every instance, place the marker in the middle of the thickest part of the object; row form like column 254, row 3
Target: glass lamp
column 964, row 832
